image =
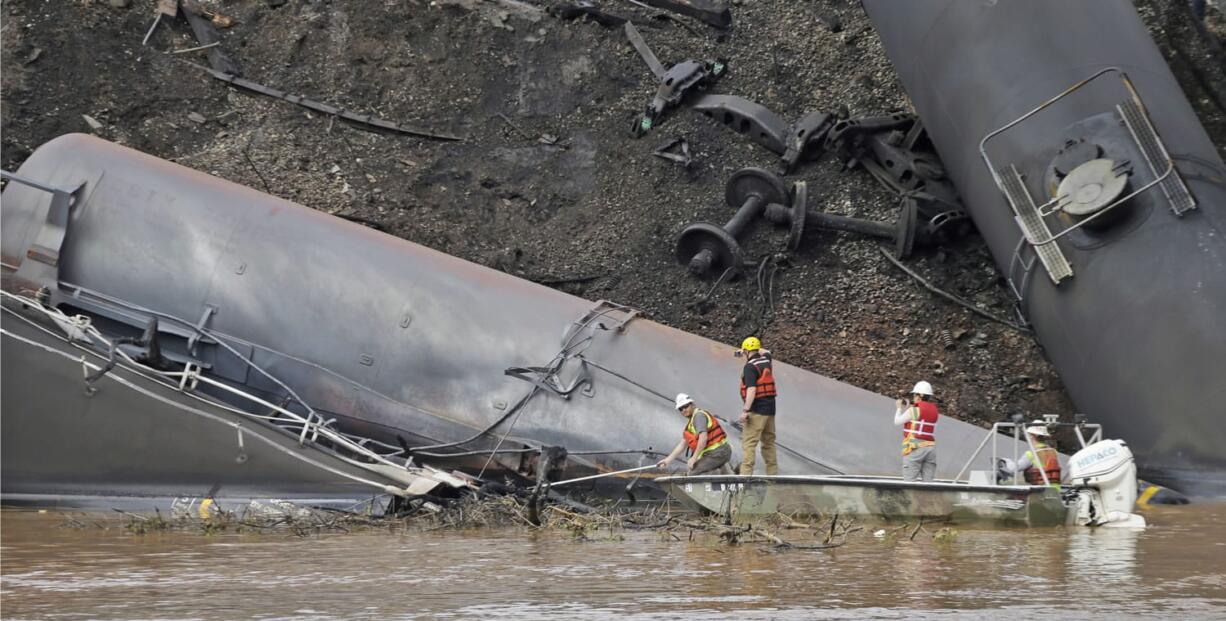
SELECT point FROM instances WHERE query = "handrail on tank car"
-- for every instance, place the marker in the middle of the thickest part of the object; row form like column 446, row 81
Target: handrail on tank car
column 190, row 377
column 311, row 414
column 51, row 189
column 1136, row 97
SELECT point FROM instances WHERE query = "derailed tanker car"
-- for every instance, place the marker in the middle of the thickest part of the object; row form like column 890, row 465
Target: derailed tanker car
column 1100, row 196
column 336, row 341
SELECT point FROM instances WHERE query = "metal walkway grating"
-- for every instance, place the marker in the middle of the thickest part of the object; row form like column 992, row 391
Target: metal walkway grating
column 1033, row 226
column 1155, row 154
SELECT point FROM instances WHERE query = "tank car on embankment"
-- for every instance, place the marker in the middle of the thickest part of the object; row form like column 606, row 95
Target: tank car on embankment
column 199, row 289
column 1101, row 197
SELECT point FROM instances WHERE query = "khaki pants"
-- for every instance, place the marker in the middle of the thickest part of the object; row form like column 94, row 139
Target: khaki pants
column 759, row 429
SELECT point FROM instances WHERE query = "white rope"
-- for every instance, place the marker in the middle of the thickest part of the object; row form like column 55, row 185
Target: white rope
column 190, row 378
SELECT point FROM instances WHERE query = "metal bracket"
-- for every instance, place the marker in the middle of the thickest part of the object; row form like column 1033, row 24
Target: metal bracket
column 201, row 326
column 675, row 82
column 675, row 150
column 546, row 378
column 644, row 50
column 602, row 309
column 809, row 130
column 41, row 264
column 746, row 117
column 846, row 132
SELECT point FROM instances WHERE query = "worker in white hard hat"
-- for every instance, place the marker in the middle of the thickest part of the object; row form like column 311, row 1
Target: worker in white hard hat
column 1044, row 459
column 919, row 440
column 708, row 445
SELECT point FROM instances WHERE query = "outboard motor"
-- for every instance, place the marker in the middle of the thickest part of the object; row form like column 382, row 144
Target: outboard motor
column 1103, row 475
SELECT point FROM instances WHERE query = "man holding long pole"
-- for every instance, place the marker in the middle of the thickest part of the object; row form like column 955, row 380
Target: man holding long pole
column 704, row 437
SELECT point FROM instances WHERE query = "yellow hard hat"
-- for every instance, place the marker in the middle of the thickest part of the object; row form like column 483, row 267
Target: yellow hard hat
column 751, row 344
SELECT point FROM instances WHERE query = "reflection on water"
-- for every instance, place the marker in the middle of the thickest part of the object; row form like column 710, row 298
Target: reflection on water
column 1175, row 568
column 1107, row 553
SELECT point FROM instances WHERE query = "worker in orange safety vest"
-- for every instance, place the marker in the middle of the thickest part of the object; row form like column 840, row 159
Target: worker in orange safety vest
column 709, row 447
column 1044, row 459
column 919, row 441
column 758, row 394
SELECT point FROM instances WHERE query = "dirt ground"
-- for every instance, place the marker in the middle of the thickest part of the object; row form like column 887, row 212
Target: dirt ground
column 548, row 184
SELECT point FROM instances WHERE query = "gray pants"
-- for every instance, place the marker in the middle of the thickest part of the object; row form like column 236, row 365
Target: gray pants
column 715, row 460
column 920, row 464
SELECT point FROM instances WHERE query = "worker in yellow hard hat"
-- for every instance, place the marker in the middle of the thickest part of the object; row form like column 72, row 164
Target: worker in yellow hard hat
column 758, row 407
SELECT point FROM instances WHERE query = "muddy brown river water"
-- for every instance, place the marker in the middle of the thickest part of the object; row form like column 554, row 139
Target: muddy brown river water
column 1174, row 569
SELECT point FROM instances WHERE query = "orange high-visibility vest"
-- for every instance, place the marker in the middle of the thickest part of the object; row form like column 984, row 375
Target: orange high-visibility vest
column 715, row 435
column 766, row 378
column 1048, row 460
column 923, row 427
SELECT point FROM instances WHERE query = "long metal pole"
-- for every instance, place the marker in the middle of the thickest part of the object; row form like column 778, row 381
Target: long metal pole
column 605, row 474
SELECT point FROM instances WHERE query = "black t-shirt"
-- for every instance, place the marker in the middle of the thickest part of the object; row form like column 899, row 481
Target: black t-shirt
column 761, row 405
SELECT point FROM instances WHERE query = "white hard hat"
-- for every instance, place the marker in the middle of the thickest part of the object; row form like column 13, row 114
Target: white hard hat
column 922, row 388
column 683, row 400
column 1037, row 428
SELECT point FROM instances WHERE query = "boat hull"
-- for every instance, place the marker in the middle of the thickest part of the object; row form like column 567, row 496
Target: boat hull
column 745, row 498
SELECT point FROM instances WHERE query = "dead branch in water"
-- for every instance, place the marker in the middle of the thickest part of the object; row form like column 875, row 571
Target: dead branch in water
column 509, row 511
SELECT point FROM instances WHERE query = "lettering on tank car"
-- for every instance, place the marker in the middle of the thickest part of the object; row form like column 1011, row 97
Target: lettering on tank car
column 140, row 193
